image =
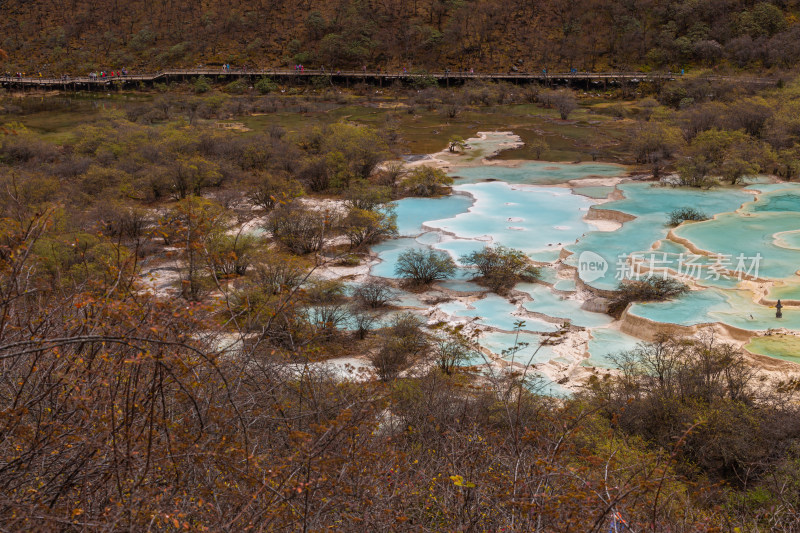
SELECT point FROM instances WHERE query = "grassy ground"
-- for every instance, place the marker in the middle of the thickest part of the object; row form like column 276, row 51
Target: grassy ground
column 589, row 131
column 427, row 131
column 785, row 347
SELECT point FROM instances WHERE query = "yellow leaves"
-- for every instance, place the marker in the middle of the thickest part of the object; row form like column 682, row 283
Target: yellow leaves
column 299, row 435
column 459, row 481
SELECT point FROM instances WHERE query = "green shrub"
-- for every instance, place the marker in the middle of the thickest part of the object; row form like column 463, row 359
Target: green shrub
column 683, row 214
column 501, row 268
column 235, row 87
column 422, row 80
column 201, row 85
column 427, row 181
column 265, row 85
column 650, row 289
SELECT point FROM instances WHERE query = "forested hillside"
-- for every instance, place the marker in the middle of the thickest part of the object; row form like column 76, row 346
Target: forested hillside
column 81, row 35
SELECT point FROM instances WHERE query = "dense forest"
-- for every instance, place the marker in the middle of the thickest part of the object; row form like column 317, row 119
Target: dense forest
column 497, row 35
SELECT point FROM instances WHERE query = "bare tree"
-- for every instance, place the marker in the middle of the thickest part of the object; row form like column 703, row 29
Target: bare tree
column 375, row 294
column 302, row 230
column 562, row 100
column 424, row 267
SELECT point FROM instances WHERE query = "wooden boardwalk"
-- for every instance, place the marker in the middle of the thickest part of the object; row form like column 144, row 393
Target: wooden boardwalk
column 347, row 76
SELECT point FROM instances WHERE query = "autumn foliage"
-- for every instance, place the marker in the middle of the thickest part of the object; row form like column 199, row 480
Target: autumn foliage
column 163, row 329
column 494, row 35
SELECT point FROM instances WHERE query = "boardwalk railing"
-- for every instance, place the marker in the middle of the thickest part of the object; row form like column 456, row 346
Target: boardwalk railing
column 290, row 74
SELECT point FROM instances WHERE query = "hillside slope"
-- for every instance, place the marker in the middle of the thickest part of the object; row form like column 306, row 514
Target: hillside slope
column 81, row 35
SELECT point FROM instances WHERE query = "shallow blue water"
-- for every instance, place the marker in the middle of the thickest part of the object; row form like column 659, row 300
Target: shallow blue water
column 548, row 275
column 550, row 304
column 389, row 251
column 790, row 291
column 459, row 248
column 537, row 173
column 496, row 312
column 413, row 212
column 598, row 192
column 566, row 285
column 651, row 205
column 789, row 201
column 520, row 213
column 732, row 307
column 746, row 235
column 527, row 352
column 461, row 286
column 531, row 219
column 605, row 343
column 409, row 299
column 503, row 344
